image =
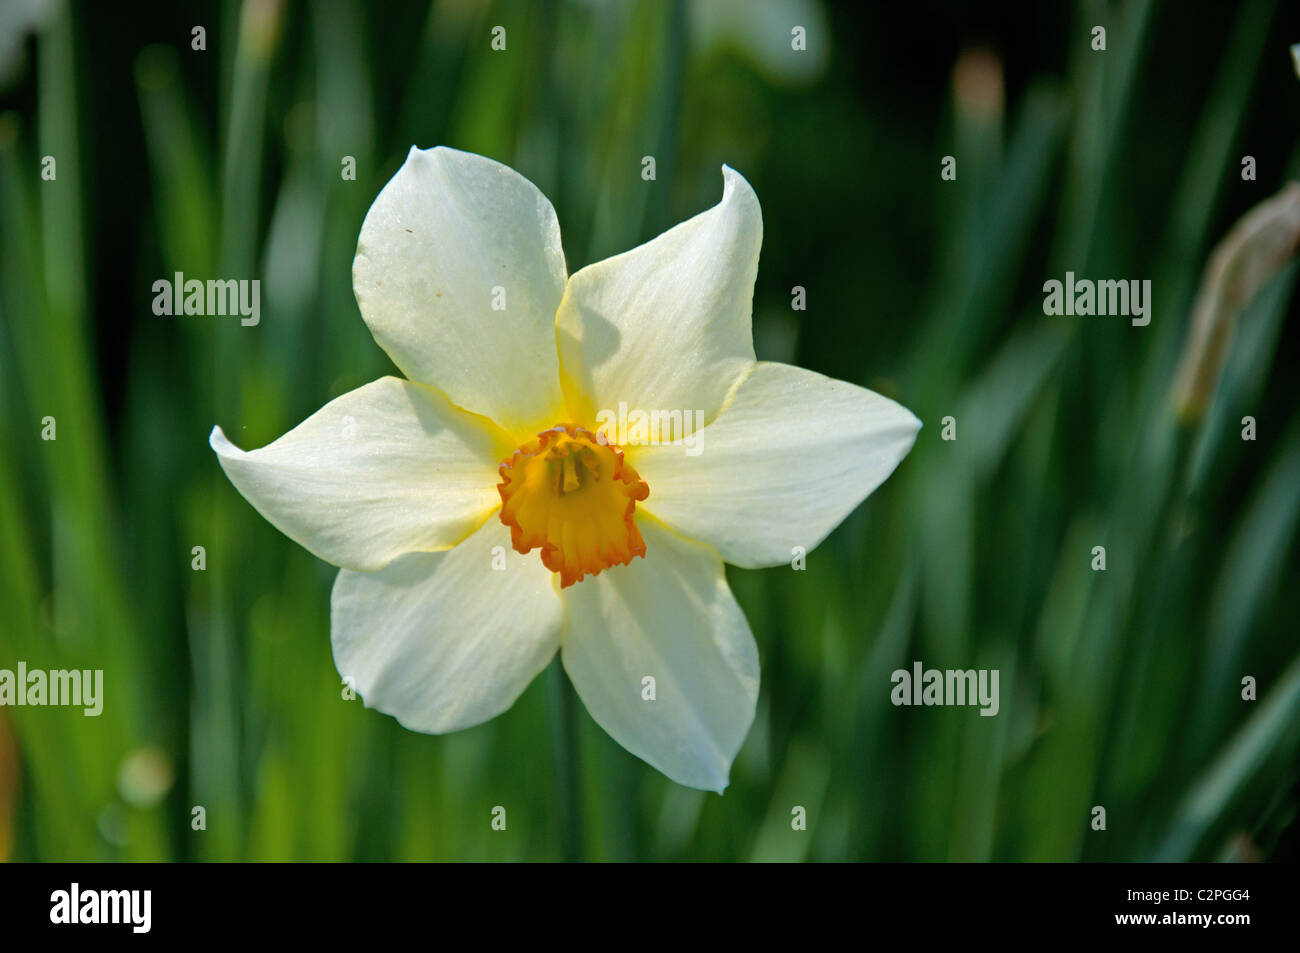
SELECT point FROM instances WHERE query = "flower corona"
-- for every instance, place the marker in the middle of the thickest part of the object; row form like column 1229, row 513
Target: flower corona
column 573, row 495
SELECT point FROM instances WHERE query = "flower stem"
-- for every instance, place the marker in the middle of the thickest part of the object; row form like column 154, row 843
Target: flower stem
column 564, row 747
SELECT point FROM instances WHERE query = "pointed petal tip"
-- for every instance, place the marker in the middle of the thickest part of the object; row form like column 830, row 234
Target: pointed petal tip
column 732, row 179
column 219, row 442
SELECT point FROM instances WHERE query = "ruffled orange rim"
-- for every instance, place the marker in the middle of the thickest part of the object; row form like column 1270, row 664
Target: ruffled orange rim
column 572, row 494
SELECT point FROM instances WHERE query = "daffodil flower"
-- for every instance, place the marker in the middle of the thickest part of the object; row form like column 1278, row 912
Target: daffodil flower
column 482, row 518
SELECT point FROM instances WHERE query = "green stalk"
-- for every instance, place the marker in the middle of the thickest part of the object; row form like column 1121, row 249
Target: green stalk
column 564, row 748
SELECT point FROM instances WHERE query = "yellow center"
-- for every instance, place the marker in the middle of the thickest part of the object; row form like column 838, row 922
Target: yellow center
column 573, row 495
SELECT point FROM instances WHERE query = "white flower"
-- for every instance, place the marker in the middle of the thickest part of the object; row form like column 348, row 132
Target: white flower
column 441, row 615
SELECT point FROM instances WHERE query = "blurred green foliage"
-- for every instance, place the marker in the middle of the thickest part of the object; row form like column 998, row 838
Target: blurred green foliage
column 1119, row 689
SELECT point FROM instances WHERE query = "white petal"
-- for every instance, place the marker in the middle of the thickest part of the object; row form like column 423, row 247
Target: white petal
column 789, row 458
column 444, row 641
column 446, row 238
column 386, row 469
column 669, row 616
column 666, row 325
